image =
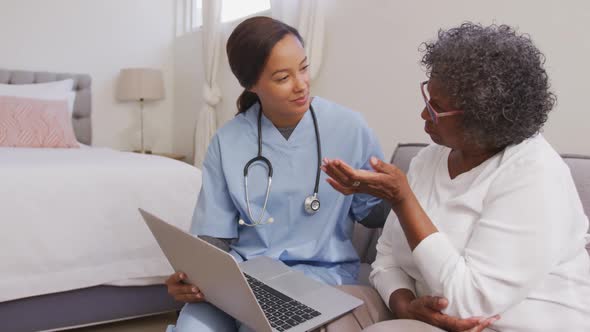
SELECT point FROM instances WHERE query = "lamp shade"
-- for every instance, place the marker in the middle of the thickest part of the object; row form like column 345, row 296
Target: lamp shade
column 140, row 84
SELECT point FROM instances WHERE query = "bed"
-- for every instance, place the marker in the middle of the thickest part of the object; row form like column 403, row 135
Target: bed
column 75, row 250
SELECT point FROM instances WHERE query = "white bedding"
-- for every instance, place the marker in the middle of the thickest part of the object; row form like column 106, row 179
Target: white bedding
column 69, row 217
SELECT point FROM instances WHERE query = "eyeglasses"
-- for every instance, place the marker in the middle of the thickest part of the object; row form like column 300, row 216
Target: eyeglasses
column 434, row 115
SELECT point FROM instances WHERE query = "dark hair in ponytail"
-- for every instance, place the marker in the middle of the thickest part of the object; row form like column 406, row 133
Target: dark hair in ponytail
column 248, row 49
column 245, row 100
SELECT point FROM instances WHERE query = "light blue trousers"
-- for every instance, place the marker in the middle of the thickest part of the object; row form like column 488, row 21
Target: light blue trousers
column 205, row 317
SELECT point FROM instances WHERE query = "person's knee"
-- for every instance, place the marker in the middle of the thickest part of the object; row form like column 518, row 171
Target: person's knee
column 405, row 325
column 203, row 317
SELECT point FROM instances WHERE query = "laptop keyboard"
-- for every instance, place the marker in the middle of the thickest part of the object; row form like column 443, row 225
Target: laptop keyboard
column 281, row 311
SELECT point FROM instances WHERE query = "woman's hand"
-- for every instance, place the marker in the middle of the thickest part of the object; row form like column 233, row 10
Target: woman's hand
column 428, row 309
column 484, row 323
column 387, row 182
column 183, row 292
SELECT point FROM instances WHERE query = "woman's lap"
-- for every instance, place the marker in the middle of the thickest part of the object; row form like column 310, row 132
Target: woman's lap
column 402, row 325
column 372, row 311
column 206, row 317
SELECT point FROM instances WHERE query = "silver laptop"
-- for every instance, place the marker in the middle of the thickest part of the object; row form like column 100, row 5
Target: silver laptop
column 262, row 293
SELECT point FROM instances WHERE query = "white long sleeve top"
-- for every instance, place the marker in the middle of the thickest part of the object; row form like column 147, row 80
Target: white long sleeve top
column 510, row 240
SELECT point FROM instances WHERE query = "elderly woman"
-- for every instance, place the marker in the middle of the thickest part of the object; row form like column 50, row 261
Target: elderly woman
column 487, row 221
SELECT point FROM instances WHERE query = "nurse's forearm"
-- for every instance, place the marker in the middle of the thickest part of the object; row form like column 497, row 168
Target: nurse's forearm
column 222, row 244
column 414, row 221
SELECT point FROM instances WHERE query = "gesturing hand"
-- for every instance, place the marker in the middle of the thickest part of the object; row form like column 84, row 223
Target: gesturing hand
column 386, row 182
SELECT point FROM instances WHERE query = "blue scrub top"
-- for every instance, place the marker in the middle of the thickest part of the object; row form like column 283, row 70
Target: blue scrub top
column 320, row 244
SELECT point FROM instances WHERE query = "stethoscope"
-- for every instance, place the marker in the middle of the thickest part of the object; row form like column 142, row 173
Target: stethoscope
column 312, row 202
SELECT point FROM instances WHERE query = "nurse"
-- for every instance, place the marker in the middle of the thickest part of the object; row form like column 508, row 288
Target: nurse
column 279, row 120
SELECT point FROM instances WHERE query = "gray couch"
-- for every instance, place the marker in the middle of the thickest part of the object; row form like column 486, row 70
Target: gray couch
column 365, row 239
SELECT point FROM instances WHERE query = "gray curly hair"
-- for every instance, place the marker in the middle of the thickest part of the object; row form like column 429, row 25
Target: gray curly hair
column 496, row 77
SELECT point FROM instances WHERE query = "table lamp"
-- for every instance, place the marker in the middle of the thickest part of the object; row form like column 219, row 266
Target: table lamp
column 140, row 85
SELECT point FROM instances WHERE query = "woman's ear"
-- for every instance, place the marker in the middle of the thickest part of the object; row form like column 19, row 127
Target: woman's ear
column 253, row 89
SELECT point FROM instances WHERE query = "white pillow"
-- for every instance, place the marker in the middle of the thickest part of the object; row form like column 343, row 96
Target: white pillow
column 56, row 86
column 58, row 90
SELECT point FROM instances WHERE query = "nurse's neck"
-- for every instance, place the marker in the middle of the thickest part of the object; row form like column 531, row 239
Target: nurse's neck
column 282, row 120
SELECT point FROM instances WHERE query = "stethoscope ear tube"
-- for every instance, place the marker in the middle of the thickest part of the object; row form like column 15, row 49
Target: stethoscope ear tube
column 256, row 159
column 268, row 185
column 319, row 151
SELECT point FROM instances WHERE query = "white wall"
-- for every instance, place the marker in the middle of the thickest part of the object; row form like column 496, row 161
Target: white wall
column 371, row 59
column 98, row 38
column 188, row 82
column 371, row 64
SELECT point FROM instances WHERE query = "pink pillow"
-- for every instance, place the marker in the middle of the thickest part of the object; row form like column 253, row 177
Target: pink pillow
column 35, row 123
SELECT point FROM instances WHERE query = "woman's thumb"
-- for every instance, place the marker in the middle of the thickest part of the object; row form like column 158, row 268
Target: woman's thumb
column 378, row 165
column 382, row 167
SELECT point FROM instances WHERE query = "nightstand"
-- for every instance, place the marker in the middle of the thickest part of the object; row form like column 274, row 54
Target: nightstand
column 170, row 155
column 165, row 154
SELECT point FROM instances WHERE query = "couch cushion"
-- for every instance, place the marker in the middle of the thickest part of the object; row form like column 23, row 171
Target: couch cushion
column 364, row 271
column 580, row 169
column 403, row 154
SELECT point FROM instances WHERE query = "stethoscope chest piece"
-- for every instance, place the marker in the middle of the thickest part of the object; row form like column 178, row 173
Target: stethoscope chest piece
column 312, row 204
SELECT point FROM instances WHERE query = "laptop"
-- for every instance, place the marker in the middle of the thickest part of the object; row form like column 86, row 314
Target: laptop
column 262, row 293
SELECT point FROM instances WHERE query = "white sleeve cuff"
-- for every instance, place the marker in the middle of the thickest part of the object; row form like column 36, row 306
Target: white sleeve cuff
column 431, row 255
column 387, row 281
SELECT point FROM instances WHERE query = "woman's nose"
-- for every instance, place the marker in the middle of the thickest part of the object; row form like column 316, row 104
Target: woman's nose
column 424, row 114
column 301, row 83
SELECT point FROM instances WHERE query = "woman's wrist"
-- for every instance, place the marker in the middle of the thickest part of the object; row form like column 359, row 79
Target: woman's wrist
column 403, row 199
column 399, row 302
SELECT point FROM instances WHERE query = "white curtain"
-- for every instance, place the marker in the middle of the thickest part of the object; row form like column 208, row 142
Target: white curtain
column 211, row 34
column 307, row 16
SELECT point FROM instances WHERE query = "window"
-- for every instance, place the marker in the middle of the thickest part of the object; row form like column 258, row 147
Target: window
column 197, row 19
column 230, row 10
column 188, row 16
column 234, row 9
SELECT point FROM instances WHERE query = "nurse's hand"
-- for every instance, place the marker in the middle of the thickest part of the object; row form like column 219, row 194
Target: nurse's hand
column 387, row 181
column 181, row 291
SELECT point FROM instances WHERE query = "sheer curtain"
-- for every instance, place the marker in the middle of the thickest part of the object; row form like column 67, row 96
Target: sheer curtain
column 308, row 17
column 211, row 34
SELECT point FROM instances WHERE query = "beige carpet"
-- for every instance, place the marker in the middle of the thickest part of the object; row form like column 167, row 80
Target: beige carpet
column 146, row 324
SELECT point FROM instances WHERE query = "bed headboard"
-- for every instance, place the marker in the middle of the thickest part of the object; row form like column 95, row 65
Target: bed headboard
column 81, row 118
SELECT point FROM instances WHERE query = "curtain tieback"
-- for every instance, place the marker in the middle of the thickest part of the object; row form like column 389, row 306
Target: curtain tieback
column 212, row 95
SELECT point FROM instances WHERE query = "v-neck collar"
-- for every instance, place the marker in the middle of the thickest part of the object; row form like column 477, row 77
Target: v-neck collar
column 459, row 178
column 302, row 134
